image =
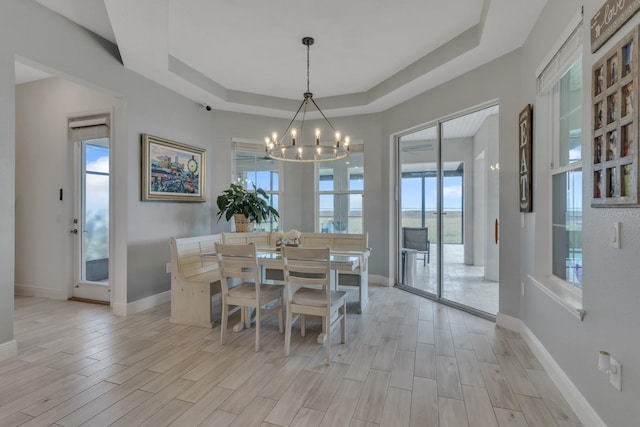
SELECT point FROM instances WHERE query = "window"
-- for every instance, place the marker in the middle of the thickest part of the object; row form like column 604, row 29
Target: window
column 561, row 95
column 340, row 186
column 566, row 176
column 252, row 168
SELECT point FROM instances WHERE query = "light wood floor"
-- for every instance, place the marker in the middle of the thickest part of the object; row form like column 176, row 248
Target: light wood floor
column 407, row 362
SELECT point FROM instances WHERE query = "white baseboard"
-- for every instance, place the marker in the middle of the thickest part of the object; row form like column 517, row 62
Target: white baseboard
column 34, row 291
column 375, row 279
column 141, row 304
column 8, row 350
column 508, row 322
column 584, row 411
column 119, row 309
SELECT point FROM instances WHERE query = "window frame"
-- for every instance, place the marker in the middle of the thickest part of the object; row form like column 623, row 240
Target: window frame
column 561, row 59
column 354, row 148
column 257, row 148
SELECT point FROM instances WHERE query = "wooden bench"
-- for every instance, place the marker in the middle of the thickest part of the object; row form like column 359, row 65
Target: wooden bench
column 194, row 280
column 262, row 239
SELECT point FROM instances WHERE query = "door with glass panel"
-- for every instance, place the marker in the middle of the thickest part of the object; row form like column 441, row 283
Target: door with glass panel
column 91, row 221
column 470, row 207
column 418, row 257
column 448, row 211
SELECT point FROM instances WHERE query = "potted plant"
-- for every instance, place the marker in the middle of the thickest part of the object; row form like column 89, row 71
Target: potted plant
column 245, row 206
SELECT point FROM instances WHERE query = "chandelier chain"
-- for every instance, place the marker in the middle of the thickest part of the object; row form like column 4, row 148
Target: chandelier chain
column 308, row 47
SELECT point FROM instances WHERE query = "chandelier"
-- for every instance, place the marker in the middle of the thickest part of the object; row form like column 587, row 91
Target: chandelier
column 296, row 151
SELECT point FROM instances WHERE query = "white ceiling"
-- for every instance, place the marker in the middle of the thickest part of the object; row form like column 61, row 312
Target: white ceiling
column 247, row 55
column 464, row 126
column 25, row 74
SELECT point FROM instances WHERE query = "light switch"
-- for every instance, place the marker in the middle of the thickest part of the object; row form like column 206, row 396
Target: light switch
column 615, row 235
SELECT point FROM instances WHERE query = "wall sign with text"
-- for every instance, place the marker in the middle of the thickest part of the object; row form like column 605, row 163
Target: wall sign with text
column 525, row 125
column 609, row 18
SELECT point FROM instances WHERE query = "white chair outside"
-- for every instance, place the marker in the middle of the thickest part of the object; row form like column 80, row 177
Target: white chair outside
column 239, row 263
column 307, row 281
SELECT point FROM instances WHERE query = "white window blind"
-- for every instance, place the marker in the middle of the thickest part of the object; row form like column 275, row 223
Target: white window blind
column 86, row 128
column 563, row 57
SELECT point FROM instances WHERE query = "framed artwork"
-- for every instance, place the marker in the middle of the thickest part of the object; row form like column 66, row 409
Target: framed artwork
column 172, row 171
column 614, row 126
column 525, row 125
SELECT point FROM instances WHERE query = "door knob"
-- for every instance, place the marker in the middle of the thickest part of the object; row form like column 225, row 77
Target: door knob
column 74, row 231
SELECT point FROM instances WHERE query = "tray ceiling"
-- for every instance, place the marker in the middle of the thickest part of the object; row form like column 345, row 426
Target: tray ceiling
column 247, row 55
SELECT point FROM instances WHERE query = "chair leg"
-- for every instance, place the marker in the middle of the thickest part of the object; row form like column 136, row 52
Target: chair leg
column 343, row 323
column 280, row 307
column 303, row 325
column 247, row 317
column 327, row 350
column 223, row 322
column 287, row 332
column 257, row 327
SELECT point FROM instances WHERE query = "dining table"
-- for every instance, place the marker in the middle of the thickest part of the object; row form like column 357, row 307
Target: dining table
column 271, row 259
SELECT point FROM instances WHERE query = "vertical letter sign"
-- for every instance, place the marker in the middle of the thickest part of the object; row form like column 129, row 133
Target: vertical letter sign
column 525, row 133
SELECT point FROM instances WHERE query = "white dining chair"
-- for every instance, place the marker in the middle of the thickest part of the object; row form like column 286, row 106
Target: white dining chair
column 239, row 263
column 307, row 282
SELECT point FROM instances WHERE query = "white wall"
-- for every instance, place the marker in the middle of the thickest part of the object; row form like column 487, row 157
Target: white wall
column 611, row 294
column 480, row 203
column 487, row 204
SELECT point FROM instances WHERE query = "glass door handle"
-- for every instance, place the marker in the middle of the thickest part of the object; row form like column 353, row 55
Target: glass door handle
column 496, row 227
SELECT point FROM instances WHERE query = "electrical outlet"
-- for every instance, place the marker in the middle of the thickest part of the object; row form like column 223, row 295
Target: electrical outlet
column 168, row 268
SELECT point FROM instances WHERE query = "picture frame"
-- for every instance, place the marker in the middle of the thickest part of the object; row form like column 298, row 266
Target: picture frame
column 615, row 125
column 172, row 171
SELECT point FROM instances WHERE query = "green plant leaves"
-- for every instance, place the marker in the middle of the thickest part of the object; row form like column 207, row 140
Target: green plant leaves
column 252, row 204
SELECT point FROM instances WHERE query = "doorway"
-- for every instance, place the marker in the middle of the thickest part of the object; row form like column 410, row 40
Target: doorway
column 90, row 225
column 448, row 211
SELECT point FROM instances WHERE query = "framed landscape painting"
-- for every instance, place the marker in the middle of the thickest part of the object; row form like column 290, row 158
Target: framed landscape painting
column 172, row 171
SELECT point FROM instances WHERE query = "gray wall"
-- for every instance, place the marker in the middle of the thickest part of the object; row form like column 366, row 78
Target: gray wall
column 610, row 286
column 7, row 189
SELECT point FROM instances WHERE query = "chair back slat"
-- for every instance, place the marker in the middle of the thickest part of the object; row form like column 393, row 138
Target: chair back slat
column 307, row 266
column 238, row 262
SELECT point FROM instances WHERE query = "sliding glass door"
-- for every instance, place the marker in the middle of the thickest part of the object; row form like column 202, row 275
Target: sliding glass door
column 448, row 211
column 418, row 210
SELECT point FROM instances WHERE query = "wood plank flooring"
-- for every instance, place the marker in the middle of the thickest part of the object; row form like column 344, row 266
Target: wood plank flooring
column 407, row 362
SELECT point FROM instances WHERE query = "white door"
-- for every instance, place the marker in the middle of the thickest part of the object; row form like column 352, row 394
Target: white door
column 91, row 221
